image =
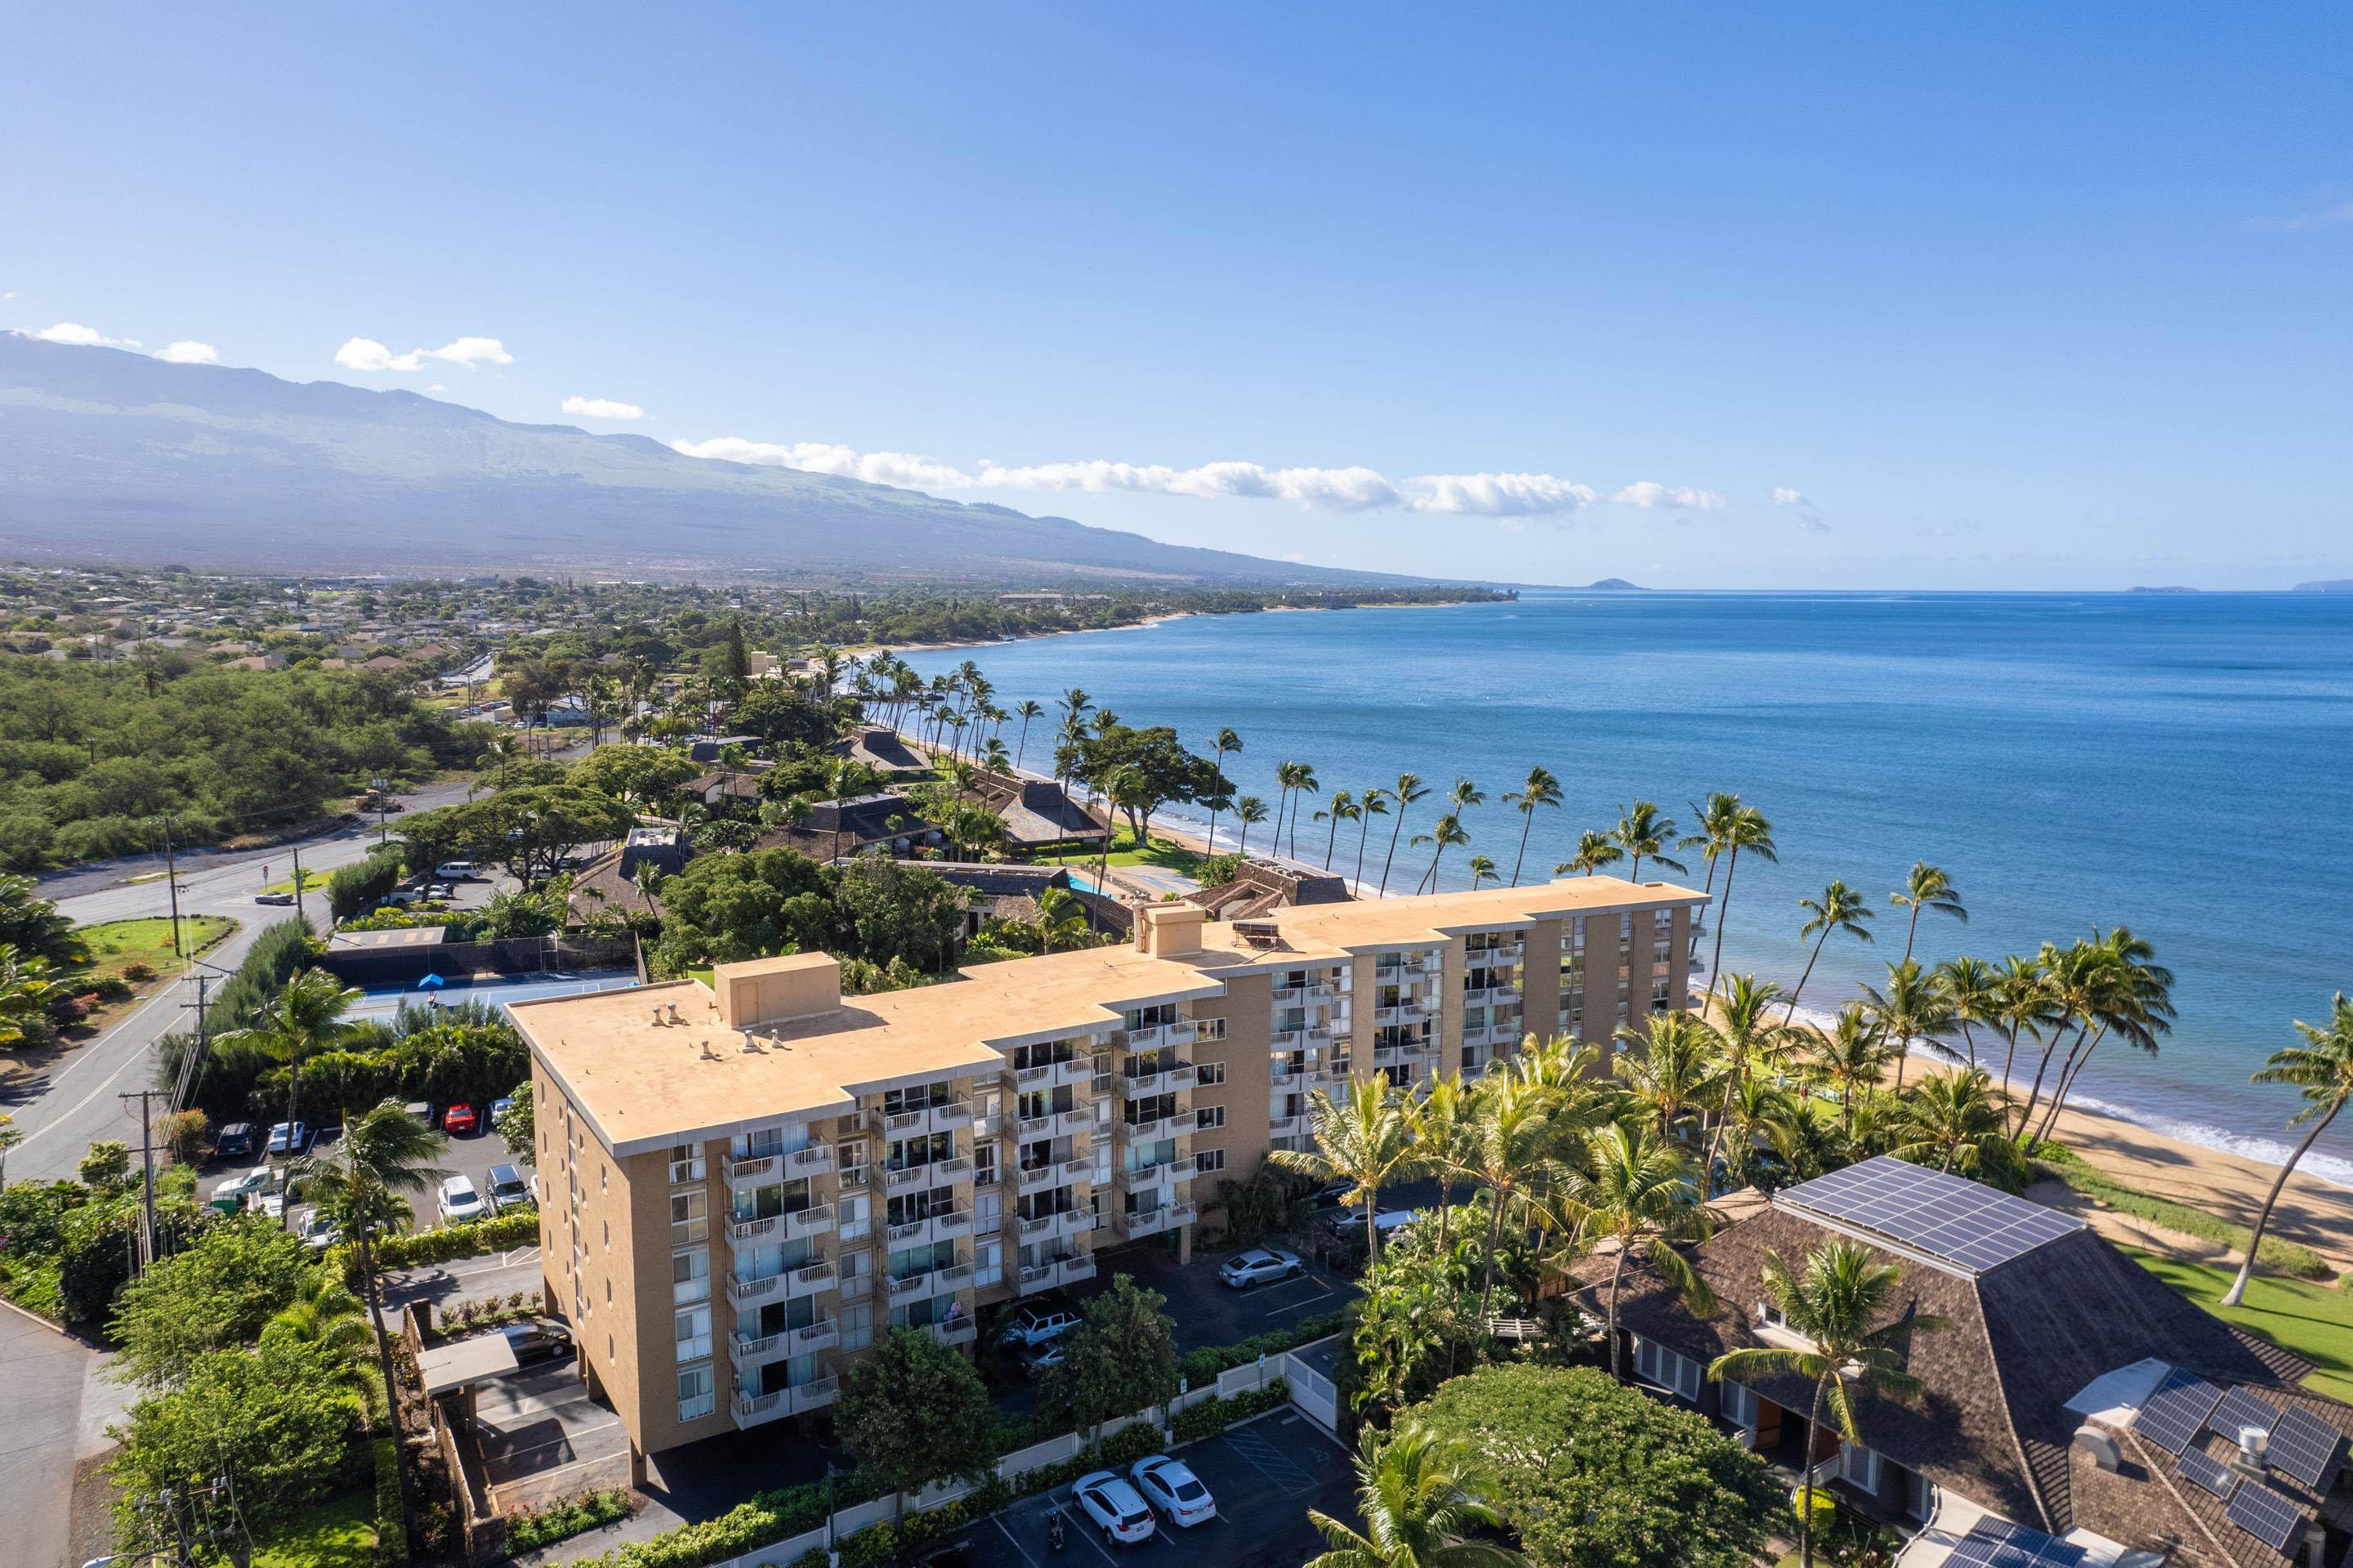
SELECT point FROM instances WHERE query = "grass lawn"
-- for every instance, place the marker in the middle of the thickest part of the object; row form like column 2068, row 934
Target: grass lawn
column 1163, row 853
column 337, row 1533
column 2314, row 1321
column 115, row 944
column 312, row 881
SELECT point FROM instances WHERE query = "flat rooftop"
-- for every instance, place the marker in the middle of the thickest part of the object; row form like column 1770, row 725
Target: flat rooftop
column 646, row 1081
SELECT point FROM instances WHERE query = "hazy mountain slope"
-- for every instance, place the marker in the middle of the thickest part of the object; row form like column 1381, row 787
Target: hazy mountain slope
column 105, row 454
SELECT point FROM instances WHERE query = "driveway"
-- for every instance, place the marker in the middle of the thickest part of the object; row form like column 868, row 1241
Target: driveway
column 1265, row 1475
column 1206, row 1312
column 542, row 1436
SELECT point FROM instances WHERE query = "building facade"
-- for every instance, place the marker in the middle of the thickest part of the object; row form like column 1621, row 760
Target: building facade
column 745, row 1183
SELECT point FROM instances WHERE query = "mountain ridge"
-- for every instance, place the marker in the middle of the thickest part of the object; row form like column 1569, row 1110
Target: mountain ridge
column 109, row 455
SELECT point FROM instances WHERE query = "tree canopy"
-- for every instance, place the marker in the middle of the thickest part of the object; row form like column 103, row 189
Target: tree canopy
column 1593, row 1474
column 219, row 1293
column 915, row 1412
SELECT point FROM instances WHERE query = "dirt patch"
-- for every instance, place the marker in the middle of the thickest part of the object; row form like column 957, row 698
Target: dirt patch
column 94, row 1492
column 2129, row 1230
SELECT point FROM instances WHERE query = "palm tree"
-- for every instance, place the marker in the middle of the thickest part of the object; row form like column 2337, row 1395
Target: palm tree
column 1248, row 810
column 1832, row 1304
column 1409, row 788
column 1227, row 744
column 1446, row 833
column 1061, row 916
column 1713, row 822
column 1851, row 1055
column 1442, row 1134
column 1927, row 887
column 2023, row 1005
column 1950, row 1117
column 1840, row 908
column 993, row 756
column 303, row 1018
column 1367, row 1141
column 1373, row 802
column 1670, row 1066
column 1421, row 1501
column 1304, row 783
column 1748, row 830
column 2072, row 979
column 1025, row 710
column 1540, row 789
column 1594, row 851
column 1342, row 809
column 1976, row 990
column 1637, row 1192
column 2135, row 1004
column 362, row 1184
column 1286, row 774
column 1505, row 1152
column 1641, row 831
column 325, row 1313
column 1482, row 868
column 1750, row 1040
column 2322, row 1068
column 1914, row 1007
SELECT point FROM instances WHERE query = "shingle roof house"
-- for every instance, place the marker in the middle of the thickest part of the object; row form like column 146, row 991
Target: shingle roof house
column 2035, row 1398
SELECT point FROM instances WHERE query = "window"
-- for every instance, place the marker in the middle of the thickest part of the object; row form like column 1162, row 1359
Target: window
column 1656, row 1363
column 1208, row 1119
column 1740, row 1404
column 1210, row 1029
column 694, row 1335
column 689, row 1220
column 1859, row 1468
column 988, row 1264
column 856, row 1319
column 689, row 1275
column 685, row 1164
column 1210, row 1075
column 696, row 1398
column 1210, row 1160
column 984, row 1162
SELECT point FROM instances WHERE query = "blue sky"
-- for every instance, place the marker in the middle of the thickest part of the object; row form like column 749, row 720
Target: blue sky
column 2004, row 296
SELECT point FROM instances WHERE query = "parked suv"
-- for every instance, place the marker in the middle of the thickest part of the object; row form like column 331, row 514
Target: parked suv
column 1036, row 1324
column 507, row 1188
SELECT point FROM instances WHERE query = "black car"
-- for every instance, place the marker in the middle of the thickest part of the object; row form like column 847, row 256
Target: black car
column 539, row 1339
column 237, row 1141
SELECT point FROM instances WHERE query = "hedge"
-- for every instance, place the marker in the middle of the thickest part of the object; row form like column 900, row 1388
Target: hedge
column 528, row 1529
column 1214, row 1414
column 764, row 1519
column 391, row 1534
column 1202, row 1365
column 358, row 888
column 510, row 1228
column 2280, row 1256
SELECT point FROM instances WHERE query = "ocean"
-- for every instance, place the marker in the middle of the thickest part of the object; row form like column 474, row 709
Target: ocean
column 2179, row 764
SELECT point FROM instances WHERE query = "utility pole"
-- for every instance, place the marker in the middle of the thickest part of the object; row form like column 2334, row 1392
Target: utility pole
column 172, row 881
column 297, row 886
column 147, row 1167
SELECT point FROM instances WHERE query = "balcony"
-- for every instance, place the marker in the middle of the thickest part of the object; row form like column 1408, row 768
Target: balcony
column 755, row 1171
column 819, row 1336
column 1168, row 1080
column 939, row 1173
column 1154, row 1177
column 945, row 1116
column 961, row 1331
column 1287, row 1039
column 1397, row 1055
column 1154, row 1131
column 930, row 1282
column 937, row 1227
column 1169, row 1216
column 741, row 1290
column 809, row 1280
column 1403, row 1012
column 817, row 1159
column 1054, row 1075
column 855, row 1176
column 751, row 1410
column 1285, row 1074
column 1037, row 1178
column 1047, row 1227
column 1177, row 1034
column 1072, row 1270
column 1289, row 1126
column 1064, row 1271
column 1077, row 1172
column 814, row 1395
column 749, row 1350
column 1320, row 991
column 741, row 1231
column 811, row 1221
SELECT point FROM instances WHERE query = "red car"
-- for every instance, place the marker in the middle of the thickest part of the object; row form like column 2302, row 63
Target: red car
column 462, row 1120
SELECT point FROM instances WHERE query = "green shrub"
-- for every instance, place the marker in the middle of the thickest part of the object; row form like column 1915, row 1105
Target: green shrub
column 357, row 888
column 531, row 1528
column 878, row 1542
column 1823, row 1506
column 391, row 1535
column 1202, row 1365
column 1129, row 1444
column 139, row 971
column 1214, row 1414
column 510, row 1228
column 761, row 1520
column 814, row 1557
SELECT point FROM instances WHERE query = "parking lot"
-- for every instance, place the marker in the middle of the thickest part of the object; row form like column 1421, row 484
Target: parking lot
column 1265, row 1475
column 1206, row 1312
column 542, row 1436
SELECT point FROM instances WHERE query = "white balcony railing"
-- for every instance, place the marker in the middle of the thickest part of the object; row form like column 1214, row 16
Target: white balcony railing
column 751, row 1229
column 814, row 1395
column 960, row 1332
column 751, row 1350
column 814, row 1160
column 741, row 1290
column 811, row 1221
column 809, row 1280
column 755, row 1171
column 814, row 1337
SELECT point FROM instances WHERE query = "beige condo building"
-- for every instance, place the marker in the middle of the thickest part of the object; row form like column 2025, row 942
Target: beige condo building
column 744, row 1184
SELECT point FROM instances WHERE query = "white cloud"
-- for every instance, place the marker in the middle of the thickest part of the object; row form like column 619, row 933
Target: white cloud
column 81, row 336
column 1352, row 489
column 602, row 408
column 1807, row 518
column 1648, row 493
column 366, row 354
column 1785, row 496
column 188, row 352
column 2296, row 223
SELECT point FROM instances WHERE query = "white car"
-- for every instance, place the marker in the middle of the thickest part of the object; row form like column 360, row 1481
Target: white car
column 458, row 1200
column 1116, row 1507
column 456, row 870
column 1351, row 1226
column 318, row 1231
column 1260, row 1265
column 1170, row 1486
column 249, row 1184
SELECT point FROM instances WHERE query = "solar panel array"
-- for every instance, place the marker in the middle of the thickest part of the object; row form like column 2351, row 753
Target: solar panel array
column 2176, row 1410
column 1998, row 1543
column 2308, row 1449
column 1949, row 1218
column 2216, row 1477
column 2270, row 1517
column 2238, row 1408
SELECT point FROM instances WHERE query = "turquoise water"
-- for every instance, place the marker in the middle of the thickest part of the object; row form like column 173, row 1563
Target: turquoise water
column 2179, row 764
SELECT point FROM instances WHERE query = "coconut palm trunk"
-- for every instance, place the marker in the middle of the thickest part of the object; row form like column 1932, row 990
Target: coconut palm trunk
column 2238, row 1290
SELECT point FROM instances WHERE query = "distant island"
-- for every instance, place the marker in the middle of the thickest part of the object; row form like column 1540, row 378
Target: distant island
column 2331, row 584
column 1615, row 585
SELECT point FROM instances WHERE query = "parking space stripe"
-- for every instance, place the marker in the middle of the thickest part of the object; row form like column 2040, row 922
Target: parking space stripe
column 1006, row 1530
column 1269, row 1460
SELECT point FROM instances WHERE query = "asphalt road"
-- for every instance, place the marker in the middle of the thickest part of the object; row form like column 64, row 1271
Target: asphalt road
column 74, row 1104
